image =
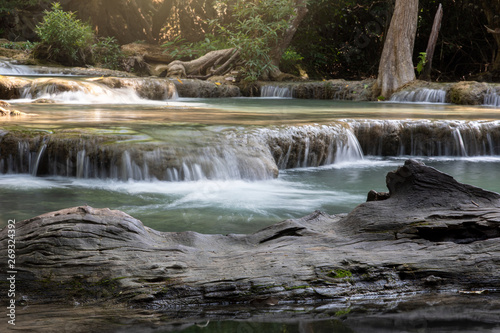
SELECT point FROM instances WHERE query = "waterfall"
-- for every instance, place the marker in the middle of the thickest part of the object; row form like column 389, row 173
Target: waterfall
column 349, row 151
column 91, row 158
column 38, row 157
column 428, row 138
column 420, row 95
column 99, row 90
column 7, row 68
column 275, row 91
column 459, row 140
column 492, row 98
column 312, row 145
column 255, row 154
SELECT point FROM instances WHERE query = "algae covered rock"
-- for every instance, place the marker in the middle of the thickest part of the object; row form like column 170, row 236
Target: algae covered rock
column 468, row 93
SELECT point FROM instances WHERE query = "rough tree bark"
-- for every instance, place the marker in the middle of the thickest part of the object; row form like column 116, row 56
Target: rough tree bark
column 283, row 43
column 396, row 64
column 426, row 74
column 491, row 9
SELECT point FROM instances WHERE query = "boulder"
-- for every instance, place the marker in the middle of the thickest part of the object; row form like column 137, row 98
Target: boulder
column 191, row 88
column 407, row 244
column 12, row 87
column 468, row 93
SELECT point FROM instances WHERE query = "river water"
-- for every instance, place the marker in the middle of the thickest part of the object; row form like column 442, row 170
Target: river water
column 230, row 165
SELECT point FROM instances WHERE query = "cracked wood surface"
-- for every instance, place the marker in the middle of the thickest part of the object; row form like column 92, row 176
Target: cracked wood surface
column 431, row 234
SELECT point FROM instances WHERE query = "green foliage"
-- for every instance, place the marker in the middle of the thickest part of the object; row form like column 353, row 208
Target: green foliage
column 6, row 6
column 342, row 38
column 422, row 61
column 340, row 274
column 183, row 50
column 290, row 61
column 107, row 53
column 23, row 46
column 64, row 38
column 254, row 28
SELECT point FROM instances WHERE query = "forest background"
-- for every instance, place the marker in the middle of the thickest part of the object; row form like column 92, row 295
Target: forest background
column 335, row 38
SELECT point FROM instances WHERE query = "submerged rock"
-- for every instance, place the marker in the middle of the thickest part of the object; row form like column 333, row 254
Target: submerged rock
column 410, row 242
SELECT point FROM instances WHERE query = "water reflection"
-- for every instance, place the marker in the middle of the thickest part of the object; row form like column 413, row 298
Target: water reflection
column 424, row 313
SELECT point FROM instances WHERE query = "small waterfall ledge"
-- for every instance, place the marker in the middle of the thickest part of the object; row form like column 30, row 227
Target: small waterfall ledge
column 276, row 92
column 428, row 138
column 492, row 98
column 332, row 89
column 420, row 95
column 255, row 155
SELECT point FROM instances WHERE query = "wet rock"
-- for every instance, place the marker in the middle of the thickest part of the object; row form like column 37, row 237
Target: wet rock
column 468, row 93
column 83, row 154
column 410, row 242
column 332, row 89
column 149, row 88
column 11, row 87
column 204, row 89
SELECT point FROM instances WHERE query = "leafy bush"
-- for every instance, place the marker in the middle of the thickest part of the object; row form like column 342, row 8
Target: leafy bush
column 64, row 38
column 23, row 46
column 107, row 53
column 184, row 50
column 254, row 29
column 422, row 60
column 290, row 61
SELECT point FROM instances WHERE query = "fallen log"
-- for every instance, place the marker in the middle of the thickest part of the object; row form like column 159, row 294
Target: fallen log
column 410, row 242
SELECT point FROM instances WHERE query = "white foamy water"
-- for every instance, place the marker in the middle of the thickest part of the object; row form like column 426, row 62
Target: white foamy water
column 420, row 95
column 492, row 98
column 7, row 68
column 270, row 91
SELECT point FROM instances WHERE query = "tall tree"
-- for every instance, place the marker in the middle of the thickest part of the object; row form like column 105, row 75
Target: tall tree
column 492, row 10
column 286, row 38
column 396, row 64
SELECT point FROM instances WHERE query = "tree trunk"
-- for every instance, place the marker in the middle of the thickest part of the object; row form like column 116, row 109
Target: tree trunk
column 491, row 10
column 280, row 47
column 396, row 65
column 426, row 74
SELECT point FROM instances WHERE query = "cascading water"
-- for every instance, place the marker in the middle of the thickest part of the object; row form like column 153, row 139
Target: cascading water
column 7, row 68
column 492, row 98
column 421, row 95
column 276, row 92
column 312, row 146
column 253, row 155
column 428, row 138
column 99, row 91
column 89, row 158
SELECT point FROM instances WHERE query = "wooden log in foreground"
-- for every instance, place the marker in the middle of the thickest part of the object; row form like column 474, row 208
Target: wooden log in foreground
column 431, row 234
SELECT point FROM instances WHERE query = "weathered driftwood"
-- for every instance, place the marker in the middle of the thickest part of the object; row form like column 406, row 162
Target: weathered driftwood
column 213, row 63
column 432, row 233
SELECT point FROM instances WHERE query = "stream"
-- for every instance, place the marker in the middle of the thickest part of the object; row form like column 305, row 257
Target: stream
column 229, row 165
